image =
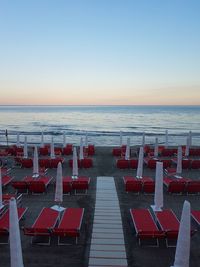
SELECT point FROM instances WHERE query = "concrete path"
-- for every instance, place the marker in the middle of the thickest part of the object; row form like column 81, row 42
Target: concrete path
column 107, row 245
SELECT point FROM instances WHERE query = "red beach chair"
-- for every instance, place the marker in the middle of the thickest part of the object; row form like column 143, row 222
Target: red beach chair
column 122, row 164
column 43, row 151
column 67, row 185
column 81, row 184
column 20, row 186
column 145, row 227
column 195, row 164
column 67, row 150
column 43, row 226
column 86, row 163
column 148, row 185
column 169, row 223
column 116, row 152
column 70, row 225
column 194, row 152
column 196, row 216
column 90, row 150
column 58, row 151
column 133, row 163
column 5, row 171
column 4, row 224
column 26, row 163
column 192, row 187
column 166, row 163
column 132, row 184
column 54, row 162
column 39, row 185
column 167, row 152
column 151, row 163
column 174, row 186
column 45, row 163
column 6, row 180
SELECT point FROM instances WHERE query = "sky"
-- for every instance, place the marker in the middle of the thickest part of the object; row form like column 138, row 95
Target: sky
column 100, row 52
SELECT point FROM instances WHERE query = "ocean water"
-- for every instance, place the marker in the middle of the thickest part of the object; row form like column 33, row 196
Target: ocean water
column 102, row 123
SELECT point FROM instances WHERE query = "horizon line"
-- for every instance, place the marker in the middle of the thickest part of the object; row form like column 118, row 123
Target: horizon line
column 72, row 105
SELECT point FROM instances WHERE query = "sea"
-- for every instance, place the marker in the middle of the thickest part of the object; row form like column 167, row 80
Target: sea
column 102, row 124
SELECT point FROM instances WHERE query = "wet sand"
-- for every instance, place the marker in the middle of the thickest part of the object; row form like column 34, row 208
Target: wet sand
column 77, row 255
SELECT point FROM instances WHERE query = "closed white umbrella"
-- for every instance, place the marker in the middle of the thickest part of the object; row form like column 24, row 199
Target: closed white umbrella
column 35, row 163
column 120, row 138
column 190, row 138
column 16, row 259
column 18, row 141
column 75, row 165
column 179, row 161
column 25, row 148
column 127, row 153
column 81, row 155
column 166, row 139
column 182, row 255
column 158, row 196
column 52, row 149
column 59, row 189
column 42, row 140
column 64, row 139
column 59, row 184
column 140, row 163
column 143, row 139
column 156, row 148
column 1, row 200
column 187, row 148
column 86, row 139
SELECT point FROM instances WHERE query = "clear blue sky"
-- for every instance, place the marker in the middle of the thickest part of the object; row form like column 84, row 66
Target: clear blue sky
column 100, row 52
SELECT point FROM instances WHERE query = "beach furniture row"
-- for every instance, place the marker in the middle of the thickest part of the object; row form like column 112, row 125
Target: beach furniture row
column 149, row 151
column 50, row 163
column 144, row 184
column 173, row 185
column 153, row 228
column 46, row 150
column 150, row 162
column 50, row 222
column 39, row 185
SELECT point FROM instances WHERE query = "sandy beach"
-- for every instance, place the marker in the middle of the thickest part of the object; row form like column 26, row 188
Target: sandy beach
column 77, row 255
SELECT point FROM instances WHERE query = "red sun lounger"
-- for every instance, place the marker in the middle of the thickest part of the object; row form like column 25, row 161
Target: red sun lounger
column 6, row 180
column 122, row 164
column 116, row 152
column 20, row 186
column 69, row 225
column 148, row 185
column 169, row 223
column 67, row 185
column 192, row 187
column 39, row 185
column 195, row 164
column 175, row 186
column 145, row 227
column 43, row 225
column 132, row 184
column 196, row 216
column 26, row 163
column 67, row 150
column 150, row 162
column 81, row 184
column 4, row 223
column 5, row 171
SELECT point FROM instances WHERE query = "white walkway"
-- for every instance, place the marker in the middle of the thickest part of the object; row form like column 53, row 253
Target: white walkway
column 107, row 245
